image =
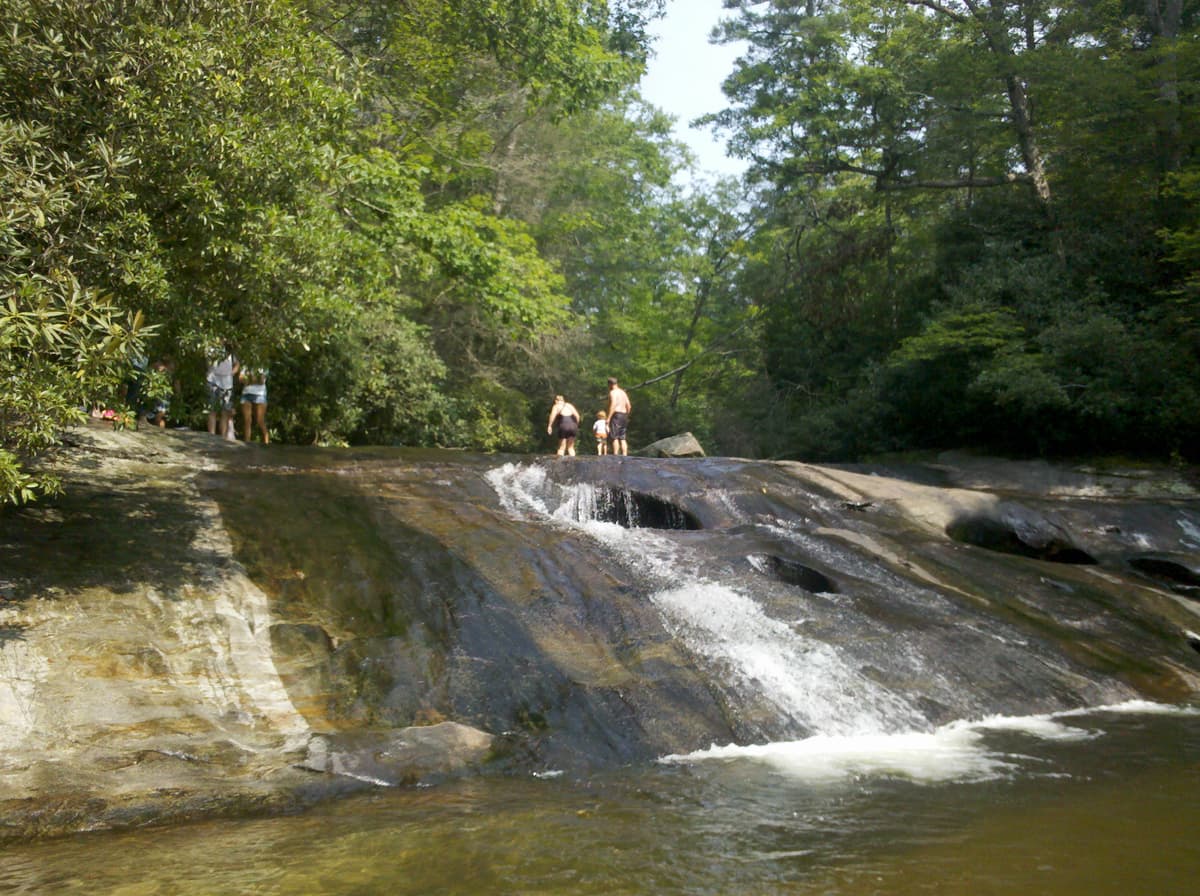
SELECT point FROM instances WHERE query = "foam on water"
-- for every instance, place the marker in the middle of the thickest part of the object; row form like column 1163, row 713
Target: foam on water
column 957, row 751
column 1191, row 531
column 1133, row 707
column 522, row 489
column 948, row 754
column 1041, row 726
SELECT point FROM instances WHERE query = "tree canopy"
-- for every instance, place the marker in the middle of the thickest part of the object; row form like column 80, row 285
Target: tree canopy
column 974, row 221
column 966, row 223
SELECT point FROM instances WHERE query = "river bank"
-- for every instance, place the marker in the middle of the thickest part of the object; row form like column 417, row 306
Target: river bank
column 199, row 629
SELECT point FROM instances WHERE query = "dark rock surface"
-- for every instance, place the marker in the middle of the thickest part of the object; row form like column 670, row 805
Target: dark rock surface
column 200, row 627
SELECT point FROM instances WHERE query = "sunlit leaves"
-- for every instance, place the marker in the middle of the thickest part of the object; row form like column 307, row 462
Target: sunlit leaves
column 63, row 344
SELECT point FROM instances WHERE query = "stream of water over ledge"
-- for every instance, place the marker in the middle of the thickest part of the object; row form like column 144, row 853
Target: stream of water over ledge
column 705, row 677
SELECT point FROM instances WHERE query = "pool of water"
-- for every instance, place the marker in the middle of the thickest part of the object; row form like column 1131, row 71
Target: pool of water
column 1097, row 803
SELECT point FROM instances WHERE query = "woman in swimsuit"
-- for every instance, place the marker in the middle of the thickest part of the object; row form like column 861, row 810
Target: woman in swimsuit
column 565, row 419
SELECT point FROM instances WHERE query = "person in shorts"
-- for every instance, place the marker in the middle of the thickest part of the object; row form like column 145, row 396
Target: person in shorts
column 619, row 407
column 254, row 404
column 600, row 430
column 220, row 379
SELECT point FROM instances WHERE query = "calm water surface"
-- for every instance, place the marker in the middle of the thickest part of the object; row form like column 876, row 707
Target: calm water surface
column 1115, row 810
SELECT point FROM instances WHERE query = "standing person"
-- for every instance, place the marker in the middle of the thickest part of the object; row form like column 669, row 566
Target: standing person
column 161, row 387
column 220, row 379
column 136, row 383
column 600, row 428
column 619, row 407
column 565, row 419
column 254, row 403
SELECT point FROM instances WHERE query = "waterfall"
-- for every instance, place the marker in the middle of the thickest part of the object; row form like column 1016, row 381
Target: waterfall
column 836, row 717
column 809, row 683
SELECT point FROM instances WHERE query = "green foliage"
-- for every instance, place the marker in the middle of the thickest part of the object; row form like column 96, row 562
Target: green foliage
column 961, row 331
column 1182, row 244
column 374, row 379
column 977, row 224
column 62, row 344
column 310, row 182
column 974, row 223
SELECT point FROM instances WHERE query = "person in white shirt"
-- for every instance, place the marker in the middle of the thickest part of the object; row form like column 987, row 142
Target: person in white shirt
column 600, row 428
column 220, row 378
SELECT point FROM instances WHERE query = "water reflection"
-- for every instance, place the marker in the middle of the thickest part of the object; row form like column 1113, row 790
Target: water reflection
column 1113, row 815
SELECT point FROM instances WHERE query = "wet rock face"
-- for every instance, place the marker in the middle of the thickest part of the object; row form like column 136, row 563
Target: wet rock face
column 793, row 573
column 1180, row 574
column 636, row 510
column 1018, row 533
column 393, row 757
column 240, row 627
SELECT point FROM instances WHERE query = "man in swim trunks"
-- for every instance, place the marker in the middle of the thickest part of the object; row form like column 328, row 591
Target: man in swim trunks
column 619, row 407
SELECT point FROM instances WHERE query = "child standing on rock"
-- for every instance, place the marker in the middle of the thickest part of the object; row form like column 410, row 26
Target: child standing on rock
column 600, row 428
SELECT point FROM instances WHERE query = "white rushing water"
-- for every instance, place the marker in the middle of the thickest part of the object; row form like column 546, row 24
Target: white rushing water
column 958, row 751
column 860, row 727
column 807, row 680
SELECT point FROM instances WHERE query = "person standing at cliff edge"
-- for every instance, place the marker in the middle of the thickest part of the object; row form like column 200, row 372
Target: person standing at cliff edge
column 565, row 418
column 619, row 407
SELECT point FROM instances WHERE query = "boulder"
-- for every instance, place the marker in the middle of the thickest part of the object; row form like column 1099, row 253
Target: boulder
column 682, row 445
column 393, row 757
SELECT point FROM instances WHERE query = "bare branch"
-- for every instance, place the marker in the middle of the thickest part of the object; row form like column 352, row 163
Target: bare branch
column 884, row 182
column 714, row 349
column 962, row 183
column 669, row 373
column 940, row 8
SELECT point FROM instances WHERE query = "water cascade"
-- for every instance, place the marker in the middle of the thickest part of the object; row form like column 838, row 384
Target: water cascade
column 377, row 618
column 836, row 682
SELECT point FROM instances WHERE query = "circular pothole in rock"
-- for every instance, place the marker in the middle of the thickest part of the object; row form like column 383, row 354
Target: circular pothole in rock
column 1179, row 577
column 792, row 572
column 993, row 535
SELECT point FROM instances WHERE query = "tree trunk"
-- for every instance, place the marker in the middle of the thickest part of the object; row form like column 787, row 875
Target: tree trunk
column 1165, row 17
column 995, row 33
column 697, row 310
column 1031, row 153
column 989, row 17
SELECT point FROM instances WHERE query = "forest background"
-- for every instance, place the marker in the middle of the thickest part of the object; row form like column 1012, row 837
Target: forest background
column 965, row 223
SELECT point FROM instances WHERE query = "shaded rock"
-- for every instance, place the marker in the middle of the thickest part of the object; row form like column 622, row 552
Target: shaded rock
column 1039, row 477
column 682, row 445
column 635, row 510
column 1011, row 529
column 793, row 573
column 1179, row 573
column 405, row 756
